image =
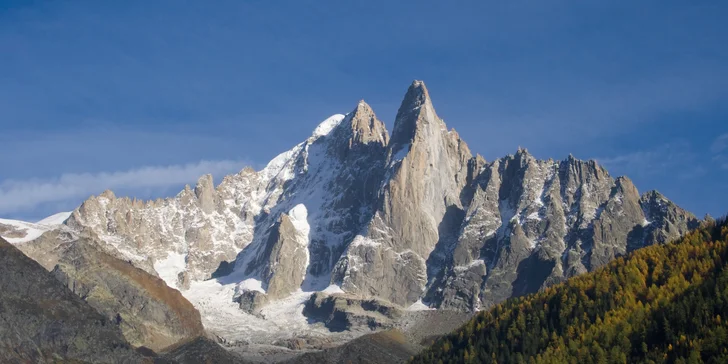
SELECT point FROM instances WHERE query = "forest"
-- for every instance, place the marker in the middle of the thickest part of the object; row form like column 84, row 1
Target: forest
column 660, row 304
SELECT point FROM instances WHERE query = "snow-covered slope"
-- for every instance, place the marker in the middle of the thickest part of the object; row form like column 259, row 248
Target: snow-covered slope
column 16, row 232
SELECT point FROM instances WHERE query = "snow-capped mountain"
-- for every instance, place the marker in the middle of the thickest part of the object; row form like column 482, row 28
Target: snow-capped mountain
column 409, row 219
column 16, row 232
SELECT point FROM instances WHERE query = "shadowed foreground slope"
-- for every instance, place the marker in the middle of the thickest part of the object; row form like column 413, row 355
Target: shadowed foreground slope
column 43, row 321
column 149, row 313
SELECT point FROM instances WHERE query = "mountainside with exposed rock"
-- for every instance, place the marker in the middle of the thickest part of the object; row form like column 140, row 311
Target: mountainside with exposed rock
column 413, row 220
column 44, row 322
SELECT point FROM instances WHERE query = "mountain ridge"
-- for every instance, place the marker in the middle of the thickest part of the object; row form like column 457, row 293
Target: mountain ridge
column 408, row 218
column 660, row 304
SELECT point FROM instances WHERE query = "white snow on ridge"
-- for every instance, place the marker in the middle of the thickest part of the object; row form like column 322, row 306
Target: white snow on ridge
column 278, row 166
column 34, row 230
column 327, row 125
column 30, row 230
column 56, row 219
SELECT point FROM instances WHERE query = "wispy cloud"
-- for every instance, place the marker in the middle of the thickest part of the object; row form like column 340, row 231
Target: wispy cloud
column 720, row 144
column 720, row 150
column 22, row 195
column 675, row 156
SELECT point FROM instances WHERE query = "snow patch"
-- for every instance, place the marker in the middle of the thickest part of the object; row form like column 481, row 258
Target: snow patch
column 360, row 240
column 334, row 288
column 462, row 268
column 299, row 216
column 170, row 267
column 250, row 284
column 280, row 165
column 419, row 306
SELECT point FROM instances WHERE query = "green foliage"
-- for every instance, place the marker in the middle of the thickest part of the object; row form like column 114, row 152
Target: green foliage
column 661, row 304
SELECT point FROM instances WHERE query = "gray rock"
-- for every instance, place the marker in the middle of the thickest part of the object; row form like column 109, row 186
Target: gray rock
column 340, row 312
column 44, row 322
column 149, row 313
column 531, row 224
column 427, row 168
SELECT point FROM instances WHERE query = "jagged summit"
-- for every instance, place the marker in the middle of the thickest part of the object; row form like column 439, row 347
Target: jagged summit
column 366, row 127
column 415, row 110
column 408, row 219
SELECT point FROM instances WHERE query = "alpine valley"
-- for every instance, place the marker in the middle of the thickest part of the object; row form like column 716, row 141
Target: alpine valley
column 350, row 232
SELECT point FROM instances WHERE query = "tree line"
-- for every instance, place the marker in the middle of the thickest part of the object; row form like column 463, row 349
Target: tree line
column 660, row 304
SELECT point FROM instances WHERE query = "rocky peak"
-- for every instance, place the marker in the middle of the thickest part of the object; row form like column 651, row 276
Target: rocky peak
column 205, row 192
column 360, row 130
column 664, row 219
column 418, row 207
column 416, row 109
column 654, row 196
column 108, row 194
column 625, row 185
column 366, row 127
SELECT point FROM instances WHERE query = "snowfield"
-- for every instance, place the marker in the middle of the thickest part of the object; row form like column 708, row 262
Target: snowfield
column 30, row 230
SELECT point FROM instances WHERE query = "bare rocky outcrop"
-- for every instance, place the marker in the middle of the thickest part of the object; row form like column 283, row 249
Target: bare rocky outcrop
column 531, row 223
column 286, row 252
column 427, row 168
column 149, row 313
column 340, row 312
column 43, row 321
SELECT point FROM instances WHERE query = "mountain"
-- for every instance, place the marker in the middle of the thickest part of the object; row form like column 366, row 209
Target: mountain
column 43, row 321
column 664, row 303
column 413, row 220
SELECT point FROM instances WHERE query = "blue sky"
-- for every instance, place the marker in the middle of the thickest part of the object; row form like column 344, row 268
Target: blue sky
column 144, row 96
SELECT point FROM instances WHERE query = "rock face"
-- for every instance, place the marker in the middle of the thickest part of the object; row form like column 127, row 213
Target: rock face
column 149, row 313
column 427, row 168
column 531, row 223
column 415, row 217
column 320, row 197
column 44, row 322
column 340, row 312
